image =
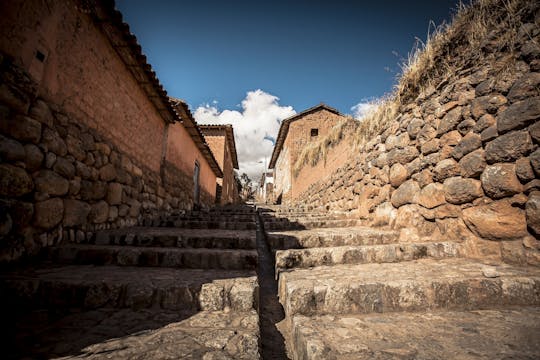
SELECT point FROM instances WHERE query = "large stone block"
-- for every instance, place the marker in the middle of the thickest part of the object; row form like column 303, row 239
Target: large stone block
column 524, row 170
column 93, row 190
column 398, row 175
column 508, row 147
column 519, row 115
column 469, row 143
column 75, row 147
column 54, row 142
column 445, row 169
column 532, row 209
column 525, row 87
column 11, row 150
column 500, row 180
column 49, row 213
column 460, row 191
column 107, row 172
column 99, row 212
column 34, row 157
column 114, row 194
column 406, row 193
column 487, row 104
column 496, row 221
column 49, row 182
column 75, row 212
column 535, row 162
column 64, row 167
column 432, row 195
column 21, row 128
column 473, row 164
column 450, row 121
column 402, row 156
column 14, row 181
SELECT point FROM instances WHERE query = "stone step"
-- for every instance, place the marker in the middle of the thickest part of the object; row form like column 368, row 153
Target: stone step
column 458, row 284
column 481, row 334
column 222, row 225
column 312, row 257
column 173, row 237
column 129, row 334
column 187, row 258
column 327, row 237
column 89, row 287
column 299, row 224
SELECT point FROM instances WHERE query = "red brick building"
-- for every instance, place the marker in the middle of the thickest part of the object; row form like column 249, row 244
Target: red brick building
column 294, row 134
column 220, row 138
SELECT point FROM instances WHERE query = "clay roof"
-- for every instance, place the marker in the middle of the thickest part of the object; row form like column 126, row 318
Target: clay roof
column 284, row 129
column 109, row 19
column 229, row 131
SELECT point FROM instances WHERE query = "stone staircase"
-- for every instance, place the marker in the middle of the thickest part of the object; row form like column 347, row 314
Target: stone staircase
column 185, row 285
column 364, row 293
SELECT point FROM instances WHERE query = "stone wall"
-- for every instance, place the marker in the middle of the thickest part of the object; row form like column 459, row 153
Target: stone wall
column 461, row 160
column 82, row 148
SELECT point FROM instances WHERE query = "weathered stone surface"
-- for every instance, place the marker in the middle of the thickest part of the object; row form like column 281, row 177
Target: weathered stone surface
column 525, row 87
column 427, row 133
column 114, row 194
column 398, row 175
column 519, row 115
column 430, row 146
column 535, row 162
column 64, row 167
column 460, row 191
column 75, row 147
column 11, row 150
column 53, row 142
column 107, row 172
column 500, row 180
column 508, row 147
column 466, row 126
column 484, row 122
column 103, row 148
column 93, row 190
column 524, row 170
column 99, row 212
column 487, row 104
column 444, row 108
column 534, row 130
column 49, row 182
column 496, row 221
column 432, row 195
column 49, row 213
column 473, row 164
column 414, row 127
column 75, row 212
column 14, row 181
column 34, row 157
column 134, row 207
column 445, row 169
column 40, row 111
column 451, row 138
column 469, row 143
column 489, row 134
column 402, row 156
column 22, row 128
column 449, row 121
column 532, row 210
column 405, row 194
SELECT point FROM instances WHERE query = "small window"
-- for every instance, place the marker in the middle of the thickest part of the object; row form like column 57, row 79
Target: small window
column 40, row 56
column 314, row 132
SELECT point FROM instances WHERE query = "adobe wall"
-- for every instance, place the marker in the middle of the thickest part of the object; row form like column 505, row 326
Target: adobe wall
column 461, row 161
column 80, row 143
column 298, row 136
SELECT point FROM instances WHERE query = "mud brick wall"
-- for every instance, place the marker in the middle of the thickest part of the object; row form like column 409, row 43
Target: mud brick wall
column 460, row 161
column 81, row 145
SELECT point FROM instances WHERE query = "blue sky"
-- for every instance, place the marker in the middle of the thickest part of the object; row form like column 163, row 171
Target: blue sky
column 214, row 54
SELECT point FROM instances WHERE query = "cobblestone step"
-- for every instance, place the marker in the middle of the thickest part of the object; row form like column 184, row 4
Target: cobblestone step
column 459, row 284
column 299, row 224
column 187, row 258
column 305, row 258
column 86, row 286
column 483, row 334
column 173, row 237
column 328, row 237
column 128, row 334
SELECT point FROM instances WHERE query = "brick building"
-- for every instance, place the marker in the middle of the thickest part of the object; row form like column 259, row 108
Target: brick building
column 89, row 139
column 220, row 138
column 294, row 134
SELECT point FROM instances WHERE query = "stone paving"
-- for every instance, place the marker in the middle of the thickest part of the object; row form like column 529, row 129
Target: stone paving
column 157, row 292
column 371, row 293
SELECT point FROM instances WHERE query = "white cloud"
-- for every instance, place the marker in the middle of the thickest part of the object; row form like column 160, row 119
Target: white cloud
column 362, row 109
column 258, row 120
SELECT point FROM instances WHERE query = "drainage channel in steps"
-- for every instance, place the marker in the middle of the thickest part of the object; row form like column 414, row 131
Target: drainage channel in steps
column 270, row 310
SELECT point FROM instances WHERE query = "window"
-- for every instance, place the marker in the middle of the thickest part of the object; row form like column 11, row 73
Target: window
column 314, row 132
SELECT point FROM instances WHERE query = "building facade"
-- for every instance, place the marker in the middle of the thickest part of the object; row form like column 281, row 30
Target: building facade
column 295, row 133
column 220, row 139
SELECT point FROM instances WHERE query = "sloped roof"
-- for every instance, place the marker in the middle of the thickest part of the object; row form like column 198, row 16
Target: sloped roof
column 284, row 129
column 109, row 19
column 229, row 131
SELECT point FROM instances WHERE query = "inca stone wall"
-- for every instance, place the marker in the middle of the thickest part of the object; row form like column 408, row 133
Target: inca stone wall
column 68, row 125
column 461, row 160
